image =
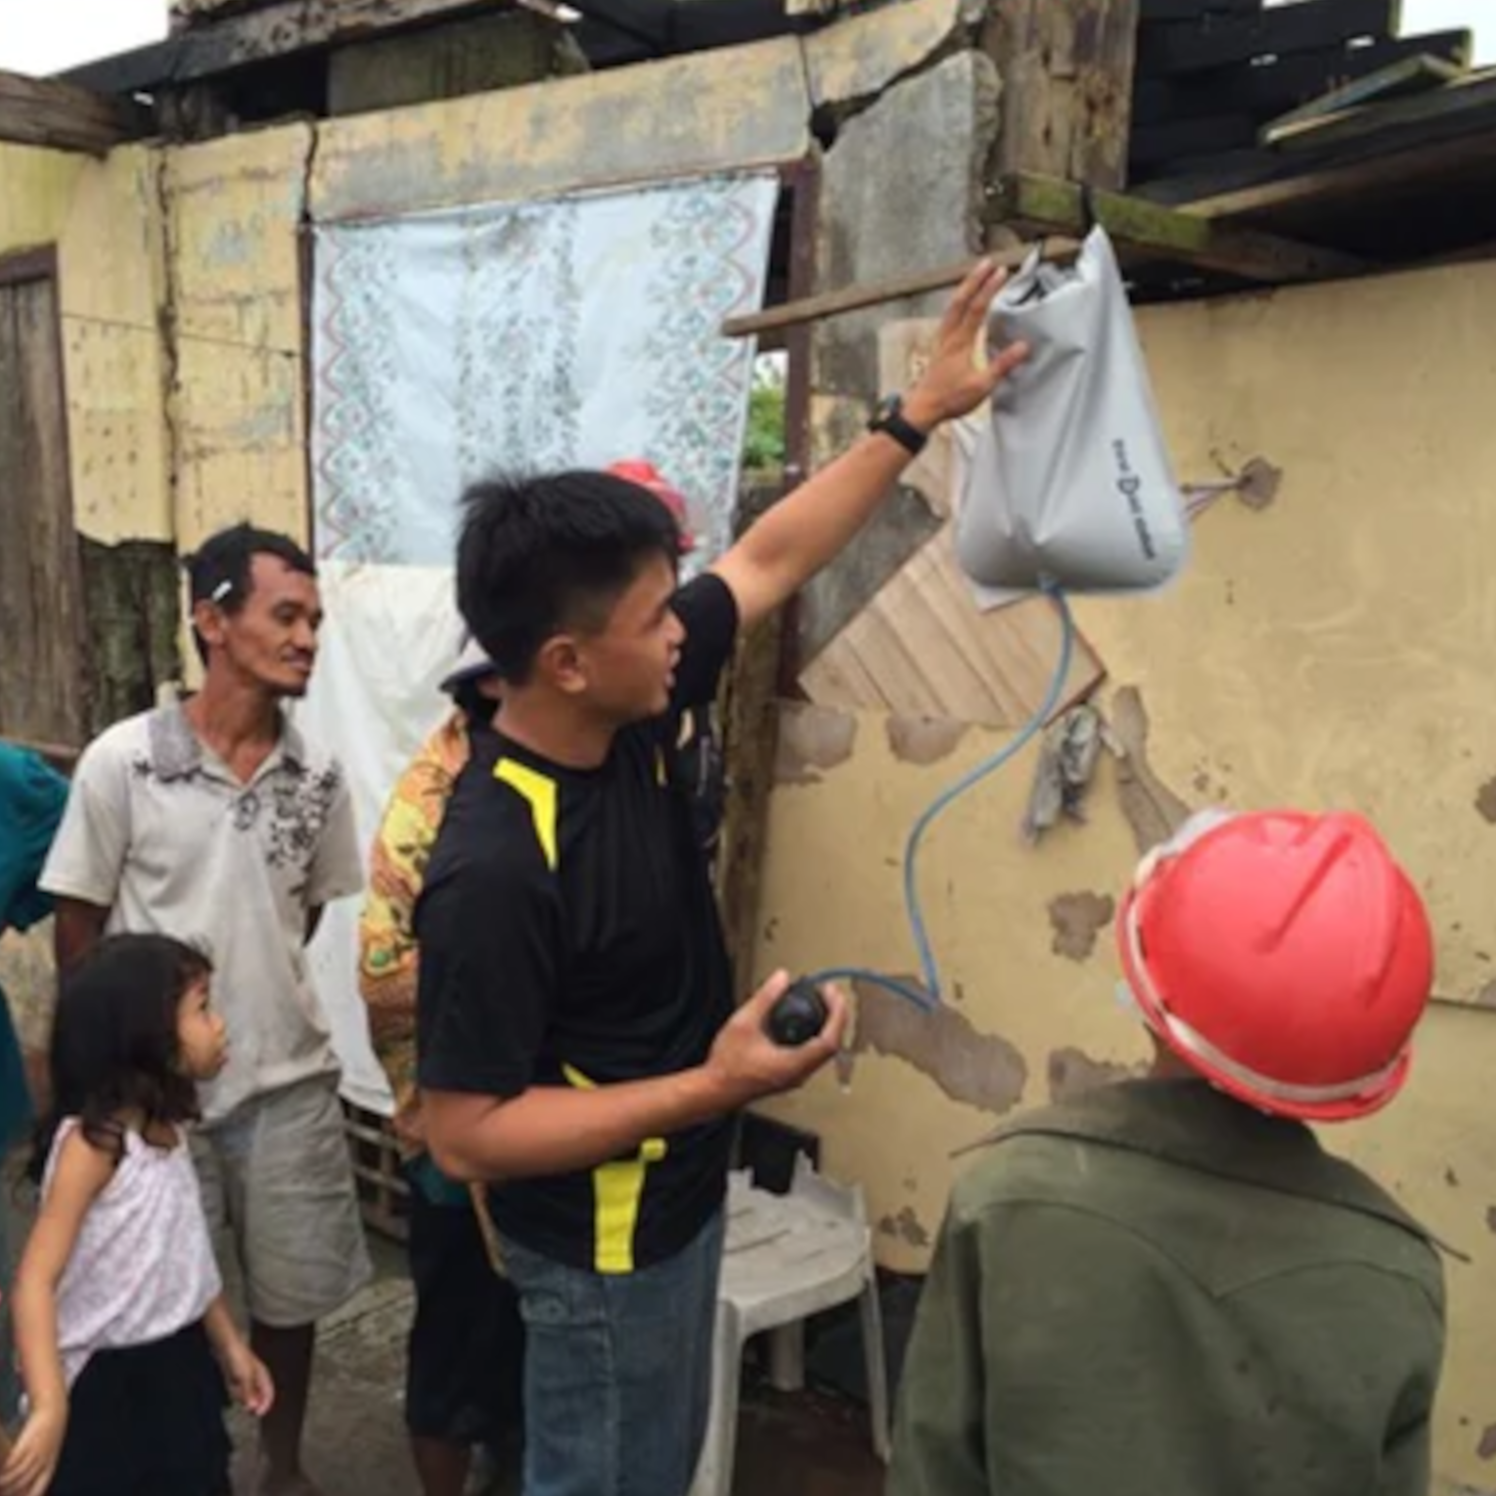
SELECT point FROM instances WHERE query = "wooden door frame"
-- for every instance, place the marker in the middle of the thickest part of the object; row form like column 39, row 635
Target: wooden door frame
column 34, row 263
column 17, row 267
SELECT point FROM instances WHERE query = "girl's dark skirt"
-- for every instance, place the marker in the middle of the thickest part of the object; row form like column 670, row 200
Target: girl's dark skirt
column 148, row 1420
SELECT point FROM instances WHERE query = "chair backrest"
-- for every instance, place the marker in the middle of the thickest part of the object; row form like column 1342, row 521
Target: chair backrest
column 810, row 1185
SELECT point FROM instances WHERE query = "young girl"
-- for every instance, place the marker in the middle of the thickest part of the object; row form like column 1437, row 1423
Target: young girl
column 124, row 1338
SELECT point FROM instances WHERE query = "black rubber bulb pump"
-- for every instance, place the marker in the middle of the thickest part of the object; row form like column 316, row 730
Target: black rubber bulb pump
column 798, row 1016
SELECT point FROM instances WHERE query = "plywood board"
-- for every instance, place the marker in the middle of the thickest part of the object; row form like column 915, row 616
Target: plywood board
column 921, row 648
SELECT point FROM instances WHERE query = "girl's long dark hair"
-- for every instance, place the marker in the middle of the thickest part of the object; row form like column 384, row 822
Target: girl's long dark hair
column 114, row 1041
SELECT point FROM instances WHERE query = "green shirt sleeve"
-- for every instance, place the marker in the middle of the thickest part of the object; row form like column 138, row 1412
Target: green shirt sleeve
column 939, row 1440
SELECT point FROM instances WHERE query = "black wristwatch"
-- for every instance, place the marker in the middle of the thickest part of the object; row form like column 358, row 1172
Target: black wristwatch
column 890, row 420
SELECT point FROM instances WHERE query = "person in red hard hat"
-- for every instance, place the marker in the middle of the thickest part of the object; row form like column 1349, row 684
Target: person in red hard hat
column 1167, row 1286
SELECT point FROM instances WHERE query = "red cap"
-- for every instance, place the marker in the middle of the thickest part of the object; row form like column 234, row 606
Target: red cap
column 649, row 477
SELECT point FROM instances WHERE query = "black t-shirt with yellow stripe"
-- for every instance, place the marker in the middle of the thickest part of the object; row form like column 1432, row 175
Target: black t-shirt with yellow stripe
column 568, row 935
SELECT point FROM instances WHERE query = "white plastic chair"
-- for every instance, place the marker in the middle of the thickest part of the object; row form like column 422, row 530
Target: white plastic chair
column 787, row 1257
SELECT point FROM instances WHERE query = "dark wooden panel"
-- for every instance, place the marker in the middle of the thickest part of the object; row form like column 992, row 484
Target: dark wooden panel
column 278, row 29
column 1153, row 145
column 615, row 31
column 132, row 594
column 1217, row 41
column 42, row 694
column 1273, row 88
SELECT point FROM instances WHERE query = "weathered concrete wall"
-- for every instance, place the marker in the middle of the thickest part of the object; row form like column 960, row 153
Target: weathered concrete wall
column 234, row 336
column 104, row 219
column 36, row 189
column 235, row 345
column 1336, row 648
column 181, row 269
column 882, row 210
column 113, row 287
column 568, row 134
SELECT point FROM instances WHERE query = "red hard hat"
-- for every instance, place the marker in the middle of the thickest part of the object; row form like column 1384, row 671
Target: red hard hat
column 649, row 477
column 1284, row 956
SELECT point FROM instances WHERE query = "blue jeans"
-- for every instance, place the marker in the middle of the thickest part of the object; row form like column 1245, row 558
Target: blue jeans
column 618, row 1370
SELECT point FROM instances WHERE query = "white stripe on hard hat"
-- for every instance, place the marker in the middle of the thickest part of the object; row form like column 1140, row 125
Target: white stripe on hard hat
column 1154, row 1012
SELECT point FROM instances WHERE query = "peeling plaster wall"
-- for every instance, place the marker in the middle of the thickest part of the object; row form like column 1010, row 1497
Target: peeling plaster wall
column 232, row 360
column 102, row 218
column 1333, row 648
column 235, row 208
column 36, row 187
column 180, row 266
column 1338, row 646
column 234, row 338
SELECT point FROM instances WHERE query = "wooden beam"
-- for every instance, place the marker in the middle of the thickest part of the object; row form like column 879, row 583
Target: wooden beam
column 1065, row 75
column 1350, row 179
column 278, row 29
column 1151, row 232
column 282, row 28
column 1409, row 76
column 1473, row 96
column 1152, row 146
column 1139, row 229
column 874, row 293
column 44, row 112
column 1217, row 41
column 749, row 731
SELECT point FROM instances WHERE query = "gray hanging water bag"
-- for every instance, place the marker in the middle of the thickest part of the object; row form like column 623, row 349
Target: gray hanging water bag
column 1069, row 483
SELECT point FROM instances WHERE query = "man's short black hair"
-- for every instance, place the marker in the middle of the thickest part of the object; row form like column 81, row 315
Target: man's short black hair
column 220, row 570
column 540, row 554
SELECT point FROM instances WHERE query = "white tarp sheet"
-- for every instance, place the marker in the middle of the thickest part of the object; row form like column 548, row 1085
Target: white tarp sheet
column 527, row 336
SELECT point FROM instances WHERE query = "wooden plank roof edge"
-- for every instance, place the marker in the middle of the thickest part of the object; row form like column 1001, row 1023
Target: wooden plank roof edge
column 279, row 29
column 1468, row 93
column 1344, row 178
column 1140, row 227
column 1410, row 74
column 65, row 116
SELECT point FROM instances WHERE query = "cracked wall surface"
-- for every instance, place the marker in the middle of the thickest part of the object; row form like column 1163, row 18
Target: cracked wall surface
column 184, row 336
column 1335, row 649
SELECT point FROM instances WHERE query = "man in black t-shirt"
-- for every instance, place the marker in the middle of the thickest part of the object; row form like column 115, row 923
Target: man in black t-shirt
column 579, row 1047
